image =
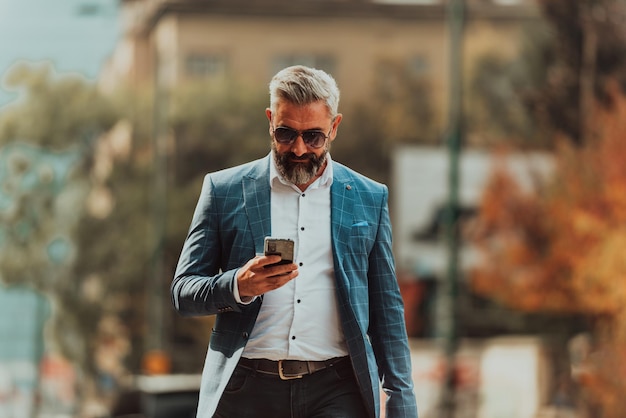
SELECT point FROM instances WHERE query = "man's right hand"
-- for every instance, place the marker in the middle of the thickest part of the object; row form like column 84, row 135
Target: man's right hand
column 255, row 279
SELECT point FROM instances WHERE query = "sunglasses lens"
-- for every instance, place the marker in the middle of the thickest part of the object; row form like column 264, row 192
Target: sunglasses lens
column 314, row 139
column 285, row 135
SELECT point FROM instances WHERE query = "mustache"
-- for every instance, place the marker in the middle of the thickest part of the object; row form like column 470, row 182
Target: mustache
column 291, row 155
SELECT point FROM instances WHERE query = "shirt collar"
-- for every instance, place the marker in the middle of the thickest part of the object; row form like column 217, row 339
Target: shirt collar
column 325, row 180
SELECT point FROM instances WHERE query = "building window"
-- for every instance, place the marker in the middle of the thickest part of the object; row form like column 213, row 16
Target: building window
column 205, row 65
column 414, row 67
column 319, row 61
column 418, row 65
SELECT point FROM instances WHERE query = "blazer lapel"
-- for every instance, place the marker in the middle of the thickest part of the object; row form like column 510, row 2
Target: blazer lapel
column 342, row 204
column 256, row 196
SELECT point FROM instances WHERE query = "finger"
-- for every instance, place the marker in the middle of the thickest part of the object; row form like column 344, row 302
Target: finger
column 274, row 282
column 280, row 269
column 266, row 260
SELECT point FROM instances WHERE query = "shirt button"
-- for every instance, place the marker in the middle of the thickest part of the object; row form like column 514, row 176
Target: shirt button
column 299, row 300
column 293, row 337
column 301, row 228
column 300, row 264
column 303, row 194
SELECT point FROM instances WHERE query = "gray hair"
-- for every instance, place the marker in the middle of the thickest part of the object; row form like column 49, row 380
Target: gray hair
column 302, row 86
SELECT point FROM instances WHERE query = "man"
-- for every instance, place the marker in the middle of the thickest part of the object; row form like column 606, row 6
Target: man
column 310, row 338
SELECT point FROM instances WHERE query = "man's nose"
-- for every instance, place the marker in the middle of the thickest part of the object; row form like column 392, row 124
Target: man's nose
column 299, row 147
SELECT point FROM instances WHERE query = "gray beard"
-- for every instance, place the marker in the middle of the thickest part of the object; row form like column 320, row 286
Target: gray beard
column 298, row 173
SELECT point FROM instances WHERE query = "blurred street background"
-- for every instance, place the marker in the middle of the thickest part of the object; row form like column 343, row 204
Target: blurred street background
column 498, row 126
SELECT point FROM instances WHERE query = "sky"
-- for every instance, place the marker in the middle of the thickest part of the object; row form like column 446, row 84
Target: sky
column 75, row 35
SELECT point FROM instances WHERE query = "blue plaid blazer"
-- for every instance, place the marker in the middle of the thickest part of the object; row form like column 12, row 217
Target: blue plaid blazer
column 229, row 224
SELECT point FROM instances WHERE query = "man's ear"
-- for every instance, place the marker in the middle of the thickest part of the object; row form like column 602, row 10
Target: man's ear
column 336, row 121
column 268, row 113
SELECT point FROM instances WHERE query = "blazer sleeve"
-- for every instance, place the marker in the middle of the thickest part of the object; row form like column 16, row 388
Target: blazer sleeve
column 387, row 329
column 200, row 287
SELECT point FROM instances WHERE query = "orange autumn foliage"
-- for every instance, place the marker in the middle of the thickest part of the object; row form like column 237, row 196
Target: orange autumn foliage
column 562, row 248
column 520, row 264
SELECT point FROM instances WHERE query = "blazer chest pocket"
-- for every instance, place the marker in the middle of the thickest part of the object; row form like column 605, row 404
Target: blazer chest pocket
column 361, row 239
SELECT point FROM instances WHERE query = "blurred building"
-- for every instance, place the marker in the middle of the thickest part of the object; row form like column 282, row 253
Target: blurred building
column 172, row 41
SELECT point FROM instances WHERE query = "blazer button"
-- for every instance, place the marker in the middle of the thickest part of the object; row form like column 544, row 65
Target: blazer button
column 245, row 335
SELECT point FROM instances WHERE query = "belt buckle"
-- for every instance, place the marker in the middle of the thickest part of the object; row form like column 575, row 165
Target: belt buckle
column 282, row 375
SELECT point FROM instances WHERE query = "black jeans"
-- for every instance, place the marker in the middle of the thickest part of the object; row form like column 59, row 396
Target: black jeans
column 329, row 393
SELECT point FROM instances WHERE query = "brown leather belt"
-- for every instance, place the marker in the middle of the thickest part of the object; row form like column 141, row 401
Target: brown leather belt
column 288, row 369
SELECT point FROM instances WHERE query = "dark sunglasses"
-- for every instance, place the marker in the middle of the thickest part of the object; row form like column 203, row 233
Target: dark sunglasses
column 287, row 136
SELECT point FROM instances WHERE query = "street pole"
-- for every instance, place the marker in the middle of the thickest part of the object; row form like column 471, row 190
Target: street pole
column 156, row 292
column 449, row 326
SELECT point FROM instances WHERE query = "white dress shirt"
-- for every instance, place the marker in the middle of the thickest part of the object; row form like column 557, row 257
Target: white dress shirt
column 300, row 320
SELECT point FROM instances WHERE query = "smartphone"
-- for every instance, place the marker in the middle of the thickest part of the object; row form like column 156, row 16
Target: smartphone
column 279, row 246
